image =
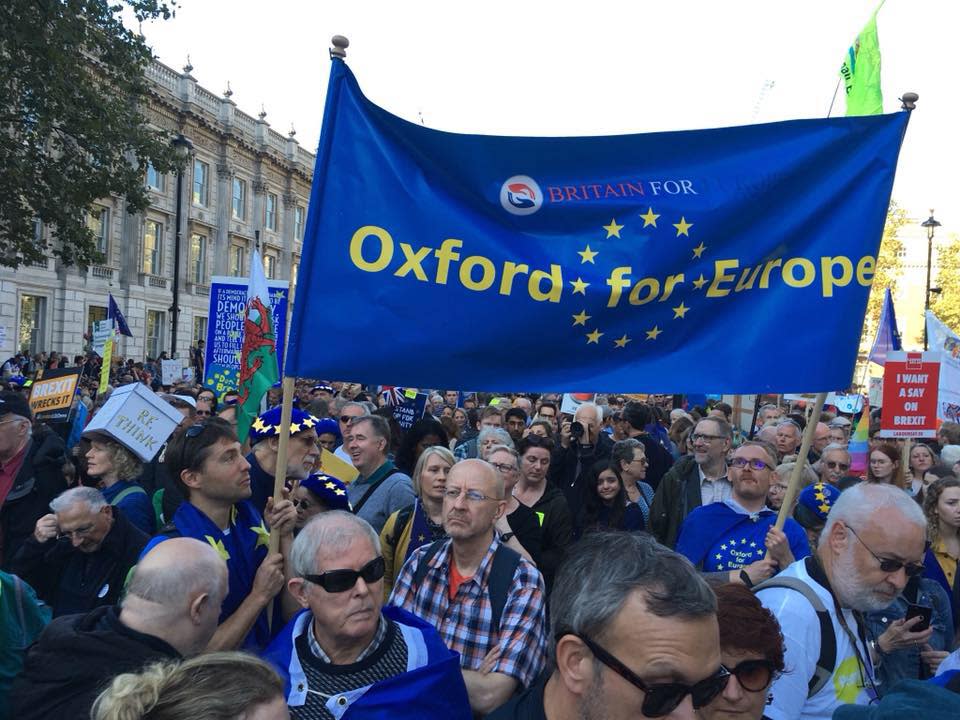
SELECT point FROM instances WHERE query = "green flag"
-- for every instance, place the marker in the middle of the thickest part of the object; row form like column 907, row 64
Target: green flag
column 861, row 71
column 258, row 356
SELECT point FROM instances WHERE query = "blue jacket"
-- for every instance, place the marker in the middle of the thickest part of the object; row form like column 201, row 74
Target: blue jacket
column 935, row 572
column 432, row 687
column 905, row 664
column 135, row 504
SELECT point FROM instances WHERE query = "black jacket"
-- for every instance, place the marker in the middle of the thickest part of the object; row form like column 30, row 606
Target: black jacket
column 678, row 494
column 567, row 474
column 557, row 532
column 528, row 705
column 39, row 481
column 659, row 458
column 71, row 581
column 74, row 659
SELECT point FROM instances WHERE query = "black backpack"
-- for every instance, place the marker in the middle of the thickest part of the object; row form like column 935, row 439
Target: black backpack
column 505, row 562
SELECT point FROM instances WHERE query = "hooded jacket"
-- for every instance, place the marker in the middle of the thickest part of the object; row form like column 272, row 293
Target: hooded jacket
column 39, row 481
column 74, row 660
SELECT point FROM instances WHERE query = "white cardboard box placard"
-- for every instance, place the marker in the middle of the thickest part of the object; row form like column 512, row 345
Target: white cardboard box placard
column 136, row 418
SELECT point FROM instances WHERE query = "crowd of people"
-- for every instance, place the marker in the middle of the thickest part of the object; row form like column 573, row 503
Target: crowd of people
column 505, row 556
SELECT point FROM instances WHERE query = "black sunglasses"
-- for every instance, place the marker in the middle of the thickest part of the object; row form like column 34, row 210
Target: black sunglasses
column 337, row 581
column 889, row 565
column 663, row 698
column 754, row 675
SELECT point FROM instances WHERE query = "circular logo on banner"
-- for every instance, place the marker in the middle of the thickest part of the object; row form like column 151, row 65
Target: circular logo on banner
column 520, row 195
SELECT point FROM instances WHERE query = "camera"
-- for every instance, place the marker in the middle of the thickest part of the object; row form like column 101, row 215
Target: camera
column 576, row 430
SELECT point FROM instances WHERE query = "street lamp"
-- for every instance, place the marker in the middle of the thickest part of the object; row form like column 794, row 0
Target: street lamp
column 182, row 147
column 931, row 225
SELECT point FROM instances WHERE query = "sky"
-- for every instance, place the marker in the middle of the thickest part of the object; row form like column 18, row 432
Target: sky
column 584, row 68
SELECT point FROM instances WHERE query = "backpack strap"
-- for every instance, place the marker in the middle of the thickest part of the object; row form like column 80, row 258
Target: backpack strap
column 827, row 661
column 403, row 517
column 424, row 565
column 372, row 490
column 127, row 492
column 505, row 562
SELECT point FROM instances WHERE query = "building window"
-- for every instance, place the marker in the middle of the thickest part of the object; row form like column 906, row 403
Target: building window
column 198, row 259
column 98, row 220
column 152, row 238
column 95, row 314
column 237, row 255
column 270, row 212
column 37, row 231
column 33, row 323
column 295, row 272
column 154, row 333
column 199, row 329
column 239, row 198
column 299, row 216
column 201, row 176
column 270, row 266
column 154, row 178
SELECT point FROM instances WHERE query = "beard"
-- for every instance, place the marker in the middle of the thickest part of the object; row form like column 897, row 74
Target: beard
column 851, row 590
column 593, row 705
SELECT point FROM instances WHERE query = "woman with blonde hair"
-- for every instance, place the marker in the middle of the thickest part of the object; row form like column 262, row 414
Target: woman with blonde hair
column 215, row 686
column 116, row 469
column 421, row 523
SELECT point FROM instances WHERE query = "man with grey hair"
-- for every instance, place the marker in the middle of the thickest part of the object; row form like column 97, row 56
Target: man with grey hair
column 345, row 412
column 633, row 634
column 344, row 651
column 582, row 444
column 834, row 463
column 80, row 554
column 486, row 600
column 788, row 438
column 873, row 542
column 489, row 438
column 170, row 610
column 381, row 488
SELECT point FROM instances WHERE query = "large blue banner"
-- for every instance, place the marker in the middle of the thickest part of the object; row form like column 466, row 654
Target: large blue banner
column 732, row 260
column 228, row 301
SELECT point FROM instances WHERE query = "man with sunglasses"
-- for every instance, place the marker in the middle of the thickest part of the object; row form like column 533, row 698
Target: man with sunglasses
column 735, row 540
column 633, row 630
column 834, row 463
column 872, row 543
column 459, row 584
column 344, row 651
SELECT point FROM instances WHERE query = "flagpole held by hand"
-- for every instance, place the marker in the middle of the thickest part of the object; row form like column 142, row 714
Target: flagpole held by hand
column 794, row 487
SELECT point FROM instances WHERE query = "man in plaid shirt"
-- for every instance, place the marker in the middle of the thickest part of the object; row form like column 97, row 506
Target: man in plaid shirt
column 454, row 594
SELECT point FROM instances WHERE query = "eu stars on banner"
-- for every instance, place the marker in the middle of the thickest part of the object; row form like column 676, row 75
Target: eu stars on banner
column 734, row 260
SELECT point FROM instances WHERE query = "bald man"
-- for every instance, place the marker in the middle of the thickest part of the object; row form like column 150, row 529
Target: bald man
column 170, row 611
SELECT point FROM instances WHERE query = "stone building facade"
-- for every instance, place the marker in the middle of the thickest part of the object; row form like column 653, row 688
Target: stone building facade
column 242, row 177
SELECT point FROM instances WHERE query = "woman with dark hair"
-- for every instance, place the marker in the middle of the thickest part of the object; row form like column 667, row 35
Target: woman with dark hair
column 751, row 648
column 424, row 433
column 606, row 504
column 453, row 431
column 885, row 466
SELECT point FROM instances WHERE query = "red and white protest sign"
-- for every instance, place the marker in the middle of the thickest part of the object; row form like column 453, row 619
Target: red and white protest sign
column 910, row 385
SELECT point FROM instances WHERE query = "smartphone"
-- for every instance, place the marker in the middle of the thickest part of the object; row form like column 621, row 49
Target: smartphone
column 921, row 611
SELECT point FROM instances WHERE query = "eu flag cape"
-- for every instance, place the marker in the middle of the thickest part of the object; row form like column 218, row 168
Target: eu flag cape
column 718, row 260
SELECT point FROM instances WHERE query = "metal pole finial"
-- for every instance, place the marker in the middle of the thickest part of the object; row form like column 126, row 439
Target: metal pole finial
column 909, row 101
column 340, row 45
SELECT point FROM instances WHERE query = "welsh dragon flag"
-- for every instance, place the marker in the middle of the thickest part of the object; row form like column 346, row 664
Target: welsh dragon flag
column 258, row 355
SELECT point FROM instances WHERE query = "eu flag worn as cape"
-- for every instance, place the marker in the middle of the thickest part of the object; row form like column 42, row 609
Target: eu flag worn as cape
column 243, row 547
column 669, row 262
column 718, row 537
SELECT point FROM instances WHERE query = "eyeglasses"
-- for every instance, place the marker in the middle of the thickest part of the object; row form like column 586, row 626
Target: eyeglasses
column 338, row 581
column 79, row 532
column 663, row 698
column 345, row 419
column 833, row 465
column 194, row 431
column 703, row 437
column 889, row 565
column 472, row 495
column 301, row 503
column 754, row 675
column 755, row 464
column 505, row 467
column 203, row 413
column 643, row 461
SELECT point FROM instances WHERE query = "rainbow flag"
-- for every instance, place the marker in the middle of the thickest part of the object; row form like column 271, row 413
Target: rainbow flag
column 859, row 445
